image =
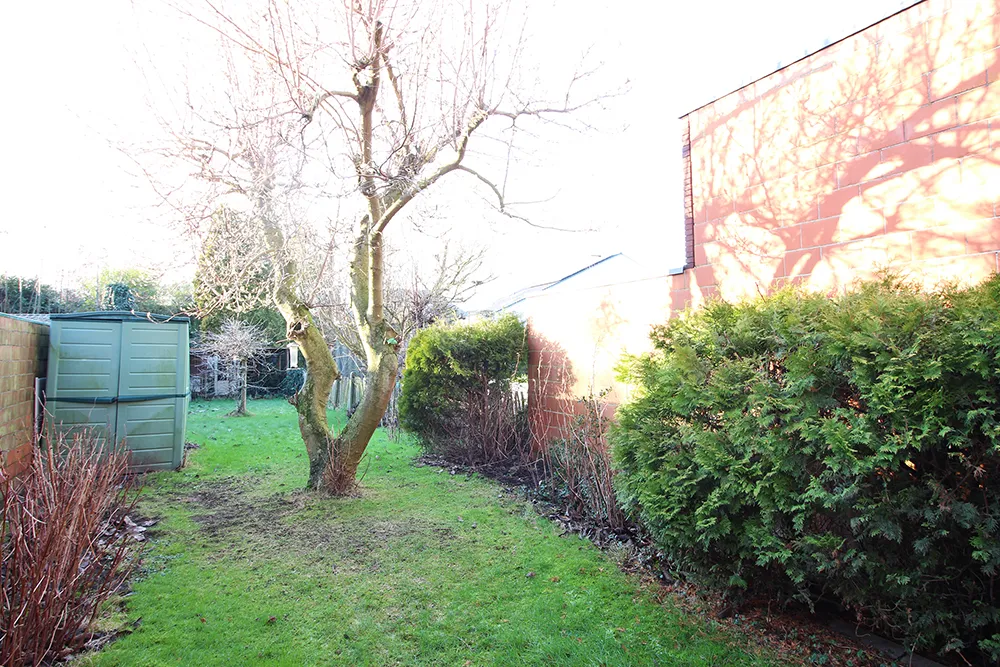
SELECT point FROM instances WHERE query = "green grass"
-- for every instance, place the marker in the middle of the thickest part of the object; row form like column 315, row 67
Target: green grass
column 425, row 568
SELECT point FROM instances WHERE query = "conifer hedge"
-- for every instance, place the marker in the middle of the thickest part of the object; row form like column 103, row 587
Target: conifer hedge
column 806, row 446
column 457, row 394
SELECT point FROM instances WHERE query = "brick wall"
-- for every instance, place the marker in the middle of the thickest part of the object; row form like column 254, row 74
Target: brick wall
column 577, row 332
column 24, row 349
column 881, row 151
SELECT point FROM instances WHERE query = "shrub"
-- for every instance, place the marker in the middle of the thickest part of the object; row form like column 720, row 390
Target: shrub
column 801, row 446
column 578, row 469
column 292, row 382
column 62, row 553
column 456, row 394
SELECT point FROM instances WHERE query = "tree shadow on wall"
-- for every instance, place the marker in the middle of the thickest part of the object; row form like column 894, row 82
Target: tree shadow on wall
column 551, row 404
column 874, row 153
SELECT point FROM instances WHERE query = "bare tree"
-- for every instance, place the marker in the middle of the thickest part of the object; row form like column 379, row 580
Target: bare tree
column 234, row 271
column 367, row 104
column 416, row 295
column 238, row 343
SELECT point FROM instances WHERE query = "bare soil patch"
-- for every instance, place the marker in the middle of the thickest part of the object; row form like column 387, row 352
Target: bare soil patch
column 248, row 524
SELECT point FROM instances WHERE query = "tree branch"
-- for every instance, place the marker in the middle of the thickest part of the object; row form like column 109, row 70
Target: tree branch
column 422, row 184
column 503, row 204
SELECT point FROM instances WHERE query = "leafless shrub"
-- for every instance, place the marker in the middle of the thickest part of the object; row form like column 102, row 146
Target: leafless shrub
column 494, row 429
column 579, row 471
column 241, row 342
column 62, row 553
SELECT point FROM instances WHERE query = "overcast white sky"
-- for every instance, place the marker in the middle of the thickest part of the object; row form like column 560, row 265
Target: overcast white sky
column 70, row 89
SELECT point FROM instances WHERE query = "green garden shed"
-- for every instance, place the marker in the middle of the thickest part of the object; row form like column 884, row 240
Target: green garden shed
column 124, row 375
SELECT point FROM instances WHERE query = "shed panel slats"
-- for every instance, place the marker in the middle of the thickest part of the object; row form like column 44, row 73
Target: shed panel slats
column 108, row 356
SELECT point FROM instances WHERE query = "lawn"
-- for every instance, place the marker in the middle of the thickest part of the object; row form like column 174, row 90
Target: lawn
column 424, row 568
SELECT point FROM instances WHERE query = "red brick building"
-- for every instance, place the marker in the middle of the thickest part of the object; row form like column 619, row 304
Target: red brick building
column 880, row 151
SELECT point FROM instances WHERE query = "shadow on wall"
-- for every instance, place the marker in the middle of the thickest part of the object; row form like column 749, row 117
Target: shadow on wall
column 576, row 339
column 551, row 403
column 878, row 152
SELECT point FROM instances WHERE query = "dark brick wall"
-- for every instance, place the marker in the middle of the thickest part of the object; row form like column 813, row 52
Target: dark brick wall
column 23, row 355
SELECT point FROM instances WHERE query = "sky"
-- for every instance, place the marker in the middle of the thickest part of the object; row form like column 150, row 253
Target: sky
column 73, row 202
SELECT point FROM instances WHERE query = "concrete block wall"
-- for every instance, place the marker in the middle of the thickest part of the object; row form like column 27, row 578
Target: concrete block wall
column 24, row 350
column 879, row 152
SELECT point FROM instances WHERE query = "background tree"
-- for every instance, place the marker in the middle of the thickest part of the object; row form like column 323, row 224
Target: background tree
column 416, row 295
column 118, row 296
column 145, row 292
column 369, row 104
column 234, row 271
column 29, row 295
column 238, row 343
column 234, row 276
column 177, row 297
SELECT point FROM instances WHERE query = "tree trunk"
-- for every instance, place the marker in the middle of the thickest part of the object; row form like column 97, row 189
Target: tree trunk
column 349, row 446
column 243, row 388
column 311, row 401
column 381, row 346
column 241, row 395
column 333, row 462
column 379, row 340
column 321, row 370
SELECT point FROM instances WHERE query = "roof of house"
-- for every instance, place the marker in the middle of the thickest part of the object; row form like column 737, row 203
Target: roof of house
column 526, row 293
column 611, row 271
column 860, row 24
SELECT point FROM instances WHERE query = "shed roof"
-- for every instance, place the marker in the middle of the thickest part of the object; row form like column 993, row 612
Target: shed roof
column 120, row 316
column 37, row 318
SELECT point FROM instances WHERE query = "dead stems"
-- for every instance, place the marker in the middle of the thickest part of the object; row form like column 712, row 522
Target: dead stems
column 62, row 554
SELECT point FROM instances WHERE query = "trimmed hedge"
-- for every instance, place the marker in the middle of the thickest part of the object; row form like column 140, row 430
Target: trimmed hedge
column 456, row 395
column 807, row 446
column 292, row 380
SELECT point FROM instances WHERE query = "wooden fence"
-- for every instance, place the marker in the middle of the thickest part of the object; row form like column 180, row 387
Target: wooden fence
column 348, row 390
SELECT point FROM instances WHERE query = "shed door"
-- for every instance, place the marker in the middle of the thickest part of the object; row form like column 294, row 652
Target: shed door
column 86, row 362
column 150, row 382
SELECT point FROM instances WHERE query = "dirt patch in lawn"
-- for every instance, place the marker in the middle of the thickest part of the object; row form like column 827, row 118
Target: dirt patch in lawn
column 228, row 505
column 245, row 524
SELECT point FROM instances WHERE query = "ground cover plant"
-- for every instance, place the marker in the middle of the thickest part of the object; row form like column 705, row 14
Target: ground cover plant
column 805, row 447
column 423, row 568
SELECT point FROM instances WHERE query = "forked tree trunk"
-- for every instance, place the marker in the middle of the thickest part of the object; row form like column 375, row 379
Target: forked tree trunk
column 349, row 446
column 381, row 347
column 333, row 461
column 380, row 341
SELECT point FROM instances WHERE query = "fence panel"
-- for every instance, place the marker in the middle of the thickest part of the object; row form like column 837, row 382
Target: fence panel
column 348, row 391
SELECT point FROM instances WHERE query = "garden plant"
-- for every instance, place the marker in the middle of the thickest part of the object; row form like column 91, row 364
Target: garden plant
column 843, row 448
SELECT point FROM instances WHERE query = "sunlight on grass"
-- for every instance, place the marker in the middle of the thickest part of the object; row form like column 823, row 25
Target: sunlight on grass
column 425, row 568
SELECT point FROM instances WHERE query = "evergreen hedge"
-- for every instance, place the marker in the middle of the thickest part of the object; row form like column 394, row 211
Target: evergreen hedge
column 807, row 446
column 456, row 395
